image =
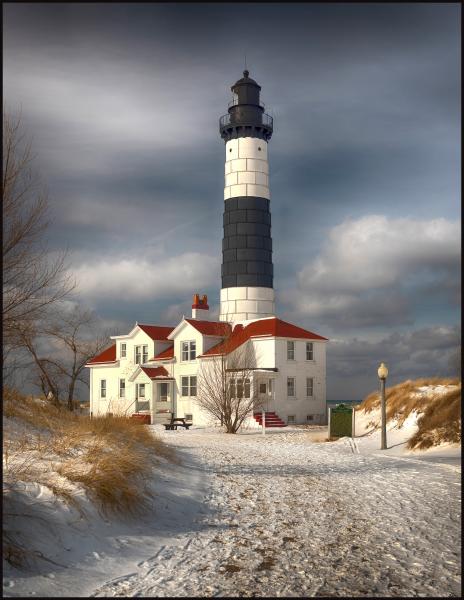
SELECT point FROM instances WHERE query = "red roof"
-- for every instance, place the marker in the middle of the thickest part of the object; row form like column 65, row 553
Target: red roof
column 156, row 332
column 107, row 356
column 263, row 328
column 215, row 328
column 165, row 354
column 155, row 372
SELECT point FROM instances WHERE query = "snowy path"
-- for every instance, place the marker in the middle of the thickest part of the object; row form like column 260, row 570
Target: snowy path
column 295, row 518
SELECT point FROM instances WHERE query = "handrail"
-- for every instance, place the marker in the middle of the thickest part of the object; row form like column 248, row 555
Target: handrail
column 266, row 120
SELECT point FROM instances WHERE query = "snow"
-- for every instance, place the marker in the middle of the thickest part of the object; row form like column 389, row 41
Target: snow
column 367, row 434
column 276, row 515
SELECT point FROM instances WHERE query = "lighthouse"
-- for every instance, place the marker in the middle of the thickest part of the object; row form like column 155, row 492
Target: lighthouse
column 247, row 271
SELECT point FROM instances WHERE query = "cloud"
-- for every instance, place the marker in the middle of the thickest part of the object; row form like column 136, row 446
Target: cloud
column 352, row 363
column 373, row 270
column 133, row 280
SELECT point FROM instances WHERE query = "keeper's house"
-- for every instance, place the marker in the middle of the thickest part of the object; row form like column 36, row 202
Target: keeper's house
column 154, row 370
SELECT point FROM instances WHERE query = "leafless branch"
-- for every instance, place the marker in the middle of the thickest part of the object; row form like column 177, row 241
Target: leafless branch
column 225, row 386
column 32, row 279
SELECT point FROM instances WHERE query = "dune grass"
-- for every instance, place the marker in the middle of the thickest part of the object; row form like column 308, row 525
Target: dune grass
column 439, row 409
column 111, row 458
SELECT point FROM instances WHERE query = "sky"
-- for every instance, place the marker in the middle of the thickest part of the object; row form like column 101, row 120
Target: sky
column 122, row 103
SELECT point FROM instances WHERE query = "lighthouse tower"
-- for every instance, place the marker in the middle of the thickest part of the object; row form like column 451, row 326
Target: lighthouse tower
column 247, row 271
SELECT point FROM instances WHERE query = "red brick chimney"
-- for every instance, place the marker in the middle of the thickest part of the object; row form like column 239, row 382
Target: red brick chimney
column 200, row 304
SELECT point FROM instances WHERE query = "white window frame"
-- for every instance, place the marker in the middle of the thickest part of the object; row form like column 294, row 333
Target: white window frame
column 122, row 388
column 103, row 389
column 290, row 350
column 123, row 350
column 188, row 348
column 240, row 387
column 138, row 353
column 189, row 386
column 142, row 352
column 309, row 387
column 140, row 386
column 309, row 350
column 292, row 421
column 294, row 387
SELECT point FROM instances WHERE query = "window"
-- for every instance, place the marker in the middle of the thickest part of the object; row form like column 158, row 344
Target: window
column 309, row 386
column 123, row 350
column 309, row 351
column 310, row 417
column 189, row 385
column 141, row 390
column 240, row 388
column 102, row 388
column 193, row 386
column 290, row 419
column 189, row 350
column 163, row 392
column 290, row 350
column 188, row 417
column 141, row 355
column 122, row 388
column 262, row 388
column 290, row 386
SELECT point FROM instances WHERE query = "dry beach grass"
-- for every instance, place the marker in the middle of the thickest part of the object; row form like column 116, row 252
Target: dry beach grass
column 439, row 409
column 110, row 458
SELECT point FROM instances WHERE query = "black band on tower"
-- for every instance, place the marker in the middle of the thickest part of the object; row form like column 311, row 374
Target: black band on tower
column 247, row 243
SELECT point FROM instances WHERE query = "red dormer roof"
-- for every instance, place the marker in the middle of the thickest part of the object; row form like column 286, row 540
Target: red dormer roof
column 156, row 372
column 263, row 328
column 156, row 332
column 107, row 356
column 214, row 328
column 165, row 354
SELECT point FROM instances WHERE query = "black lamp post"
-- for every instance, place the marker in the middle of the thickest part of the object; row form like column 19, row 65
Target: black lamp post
column 383, row 372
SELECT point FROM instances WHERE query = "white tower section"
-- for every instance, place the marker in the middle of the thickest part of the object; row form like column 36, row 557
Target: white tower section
column 246, row 175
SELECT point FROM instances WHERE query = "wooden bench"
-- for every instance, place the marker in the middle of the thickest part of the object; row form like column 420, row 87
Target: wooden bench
column 178, row 422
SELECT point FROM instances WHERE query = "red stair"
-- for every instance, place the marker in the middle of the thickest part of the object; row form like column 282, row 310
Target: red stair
column 271, row 419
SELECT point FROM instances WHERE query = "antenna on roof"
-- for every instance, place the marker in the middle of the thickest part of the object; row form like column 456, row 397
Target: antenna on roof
column 245, row 63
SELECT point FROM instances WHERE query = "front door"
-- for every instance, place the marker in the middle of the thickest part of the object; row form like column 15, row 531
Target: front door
column 141, row 402
column 163, row 402
column 264, row 395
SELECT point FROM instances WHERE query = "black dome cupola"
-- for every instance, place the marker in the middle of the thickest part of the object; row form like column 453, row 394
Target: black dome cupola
column 246, row 116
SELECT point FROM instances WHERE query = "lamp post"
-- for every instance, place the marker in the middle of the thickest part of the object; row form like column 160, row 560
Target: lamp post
column 383, row 372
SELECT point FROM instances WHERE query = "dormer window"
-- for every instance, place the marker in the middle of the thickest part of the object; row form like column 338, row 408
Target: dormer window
column 123, row 350
column 141, row 354
column 189, row 350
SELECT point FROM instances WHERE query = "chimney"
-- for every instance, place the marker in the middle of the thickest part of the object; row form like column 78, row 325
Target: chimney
column 200, row 307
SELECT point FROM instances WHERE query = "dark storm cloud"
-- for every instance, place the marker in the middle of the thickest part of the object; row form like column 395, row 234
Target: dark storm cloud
column 352, row 363
column 123, row 101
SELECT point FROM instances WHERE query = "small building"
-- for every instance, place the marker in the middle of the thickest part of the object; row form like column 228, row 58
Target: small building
column 155, row 369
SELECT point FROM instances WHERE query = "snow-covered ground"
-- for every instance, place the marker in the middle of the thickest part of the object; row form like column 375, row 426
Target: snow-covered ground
column 367, row 434
column 277, row 515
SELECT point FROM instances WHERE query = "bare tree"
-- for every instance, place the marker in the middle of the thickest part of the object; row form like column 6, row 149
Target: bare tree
column 32, row 280
column 60, row 349
column 225, row 385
